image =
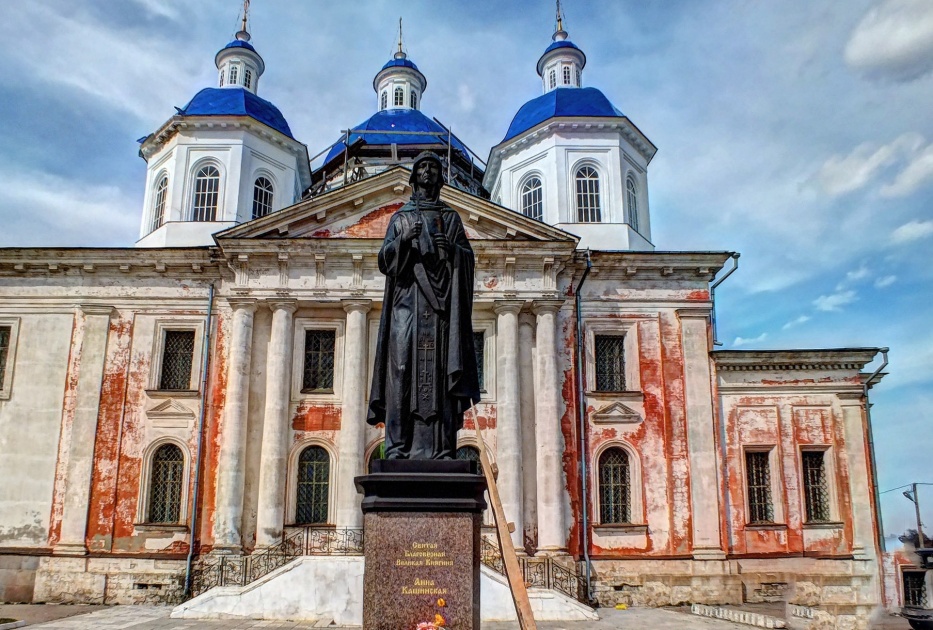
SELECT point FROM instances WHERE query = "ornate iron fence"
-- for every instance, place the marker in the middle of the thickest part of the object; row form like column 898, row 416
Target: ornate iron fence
column 539, row 572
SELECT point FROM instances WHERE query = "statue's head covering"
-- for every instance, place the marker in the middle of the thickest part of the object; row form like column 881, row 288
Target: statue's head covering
column 427, row 155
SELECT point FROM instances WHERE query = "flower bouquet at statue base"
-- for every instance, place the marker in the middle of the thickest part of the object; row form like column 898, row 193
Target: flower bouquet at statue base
column 439, row 623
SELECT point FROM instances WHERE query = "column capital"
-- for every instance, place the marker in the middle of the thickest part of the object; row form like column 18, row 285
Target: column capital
column 500, row 307
column 357, row 306
column 282, row 304
column 546, row 306
column 242, row 304
column 693, row 313
column 96, row 309
column 851, row 399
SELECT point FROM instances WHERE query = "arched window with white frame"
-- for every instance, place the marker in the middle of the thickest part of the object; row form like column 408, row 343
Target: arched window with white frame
column 206, row 194
column 384, row 100
column 313, row 486
column 222, row 74
column 399, row 97
column 586, row 181
column 233, row 74
column 577, row 74
column 413, row 100
column 158, row 204
column 532, row 198
column 631, row 198
column 263, row 193
column 615, row 486
column 566, row 75
column 552, row 79
column 166, row 484
column 248, row 78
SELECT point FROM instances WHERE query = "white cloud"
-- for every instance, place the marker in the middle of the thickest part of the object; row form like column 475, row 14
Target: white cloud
column 886, row 281
column 919, row 171
column 803, row 319
column 894, row 41
column 465, row 98
column 834, row 301
column 912, row 231
column 842, row 174
column 744, row 341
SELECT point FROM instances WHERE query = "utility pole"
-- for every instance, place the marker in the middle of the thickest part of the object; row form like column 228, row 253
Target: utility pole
column 913, row 496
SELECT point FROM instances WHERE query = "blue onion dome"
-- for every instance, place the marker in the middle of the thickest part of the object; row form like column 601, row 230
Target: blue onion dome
column 562, row 102
column 236, row 101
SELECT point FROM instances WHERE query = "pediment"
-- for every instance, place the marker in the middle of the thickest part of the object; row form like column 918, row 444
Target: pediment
column 362, row 210
column 615, row 413
column 170, row 414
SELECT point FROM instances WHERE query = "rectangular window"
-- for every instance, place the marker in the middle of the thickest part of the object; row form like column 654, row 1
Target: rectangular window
column 319, row 361
column 815, row 491
column 5, row 333
column 566, row 75
column 610, row 363
column 479, row 346
column 915, row 589
column 758, row 478
column 177, row 357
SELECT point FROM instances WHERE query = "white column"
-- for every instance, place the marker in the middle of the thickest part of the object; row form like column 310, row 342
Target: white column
column 231, row 464
column 508, row 417
column 352, row 439
column 79, row 422
column 527, row 378
column 552, row 529
column 270, row 517
column 701, row 439
column 863, row 529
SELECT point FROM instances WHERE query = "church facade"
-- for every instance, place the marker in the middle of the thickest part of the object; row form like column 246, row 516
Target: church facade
column 205, row 392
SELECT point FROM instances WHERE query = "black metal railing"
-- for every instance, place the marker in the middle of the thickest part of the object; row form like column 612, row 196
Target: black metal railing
column 219, row 570
column 539, row 572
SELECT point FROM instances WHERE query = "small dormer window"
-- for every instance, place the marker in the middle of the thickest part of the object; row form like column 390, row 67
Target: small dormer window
column 414, row 100
column 248, row 78
column 399, row 98
column 566, row 75
column 552, row 79
column 384, row 101
column 233, row 75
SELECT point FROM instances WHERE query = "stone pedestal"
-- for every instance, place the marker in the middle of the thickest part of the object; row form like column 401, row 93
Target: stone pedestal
column 422, row 520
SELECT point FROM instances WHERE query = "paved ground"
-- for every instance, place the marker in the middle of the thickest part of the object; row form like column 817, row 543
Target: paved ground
column 156, row 618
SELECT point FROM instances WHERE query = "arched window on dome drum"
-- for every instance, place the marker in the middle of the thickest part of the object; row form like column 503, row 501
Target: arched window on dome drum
column 631, row 196
column 313, row 490
column 221, row 78
column 384, row 100
column 414, row 100
column 158, row 206
column 165, row 484
column 615, row 492
column 552, row 79
column 206, row 194
column 587, row 186
column 577, row 74
column 248, row 78
column 399, row 99
column 233, row 75
column 262, row 197
column 532, row 199
column 566, row 75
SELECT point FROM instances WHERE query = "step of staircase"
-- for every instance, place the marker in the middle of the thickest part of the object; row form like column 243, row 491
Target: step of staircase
column 737, row 615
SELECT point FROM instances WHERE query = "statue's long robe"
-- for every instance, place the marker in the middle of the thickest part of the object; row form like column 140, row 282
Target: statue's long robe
column 424, row 375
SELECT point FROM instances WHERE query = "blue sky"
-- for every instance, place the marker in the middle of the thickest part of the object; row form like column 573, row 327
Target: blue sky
column 798, row 133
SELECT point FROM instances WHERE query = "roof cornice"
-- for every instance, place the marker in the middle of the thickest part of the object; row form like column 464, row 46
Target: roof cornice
column 823, row 359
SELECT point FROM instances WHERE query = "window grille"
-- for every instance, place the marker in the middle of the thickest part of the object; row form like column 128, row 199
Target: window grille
column 566, row 75
column 615, row 493
column 5, row 333
column 399, row 98
column 313, row 486
column 262, row 197
column 815, row 490
column 233, row 75
column 610, row 363
column 533, row 199
column 414, row 100
column 552, row 79
column 248, row 78
column 587, row 180
column 758, row 471
column 479, row 347
column 384, row 101
column 915, row 589
column 378, row 453
column 632, row 198
column 177, row 355
column 319, row 361
column 468, row 453
column 206, row 194
column 165, row 484
column 158, row 207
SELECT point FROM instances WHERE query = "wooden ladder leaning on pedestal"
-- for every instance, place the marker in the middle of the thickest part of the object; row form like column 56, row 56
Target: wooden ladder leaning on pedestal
column 513, row 571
